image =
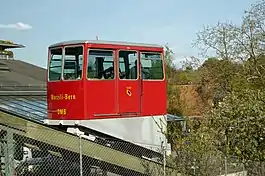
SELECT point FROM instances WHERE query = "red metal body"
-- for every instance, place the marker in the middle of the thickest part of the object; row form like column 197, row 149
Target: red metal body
column 86, row 98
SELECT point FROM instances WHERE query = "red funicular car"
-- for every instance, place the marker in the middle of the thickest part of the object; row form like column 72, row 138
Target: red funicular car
column 118, row 88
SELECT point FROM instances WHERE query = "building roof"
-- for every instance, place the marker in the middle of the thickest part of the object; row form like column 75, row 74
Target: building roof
column 72, row 42
column 20, row 75
column 6, row 44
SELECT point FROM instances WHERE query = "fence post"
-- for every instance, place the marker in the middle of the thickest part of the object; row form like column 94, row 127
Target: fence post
column 164, row 157
column 9, row 154
column 164, row 150
column 80, row 153
column 79, row 134
column 225, row 165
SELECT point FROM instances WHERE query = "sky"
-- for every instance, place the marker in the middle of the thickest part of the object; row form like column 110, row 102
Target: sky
column 38, row 24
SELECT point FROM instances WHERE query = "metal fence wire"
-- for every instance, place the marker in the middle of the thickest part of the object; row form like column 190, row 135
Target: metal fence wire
column 30, row 148
column 28, row 153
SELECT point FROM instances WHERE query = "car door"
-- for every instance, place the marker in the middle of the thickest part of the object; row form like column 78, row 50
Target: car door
column 129, row 84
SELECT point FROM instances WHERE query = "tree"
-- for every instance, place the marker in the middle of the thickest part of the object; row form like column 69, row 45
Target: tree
column 238, row 125
column 174, row 104
column 237, row 73
column 239, row 43
column 195, row 153
column 216, row 78
column 233, row 77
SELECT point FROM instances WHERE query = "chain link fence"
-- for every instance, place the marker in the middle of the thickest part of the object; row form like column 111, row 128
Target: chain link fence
column 208, row 165
column 28, row 148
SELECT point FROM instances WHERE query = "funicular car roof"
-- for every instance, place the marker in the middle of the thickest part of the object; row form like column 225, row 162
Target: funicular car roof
column 73, row 42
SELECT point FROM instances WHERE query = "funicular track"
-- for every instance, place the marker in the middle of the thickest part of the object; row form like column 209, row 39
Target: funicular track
column 24, row 111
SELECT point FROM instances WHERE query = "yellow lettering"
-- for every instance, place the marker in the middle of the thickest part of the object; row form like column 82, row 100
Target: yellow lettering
column 69, row 97
column 63, row 97
column 57, row 97
column 61, row 111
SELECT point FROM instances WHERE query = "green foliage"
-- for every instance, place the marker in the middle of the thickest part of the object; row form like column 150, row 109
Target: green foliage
column 174, row 104
column 4, row 52
column 169, row 57
column 216, row 78
column 173, row 100
column 187, row 76
column 195, row 154
column 233, row 79
column 5, row 42
column 238, row 123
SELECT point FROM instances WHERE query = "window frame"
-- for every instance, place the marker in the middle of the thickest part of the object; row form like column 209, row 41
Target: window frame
column 72, row 46
column 49, row 63
column 138, row 69
column 163, row 65
column 114, row 62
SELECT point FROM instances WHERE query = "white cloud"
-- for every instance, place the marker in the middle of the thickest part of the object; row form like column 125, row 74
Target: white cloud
column 18, row 26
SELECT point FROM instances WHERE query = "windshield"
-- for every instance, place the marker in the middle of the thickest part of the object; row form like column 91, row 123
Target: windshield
column 152, row 66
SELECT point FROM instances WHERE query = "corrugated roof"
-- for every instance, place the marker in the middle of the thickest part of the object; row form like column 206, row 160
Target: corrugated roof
column 72, row 42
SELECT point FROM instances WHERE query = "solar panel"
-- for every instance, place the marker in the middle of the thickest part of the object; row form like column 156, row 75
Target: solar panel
column 32, row 107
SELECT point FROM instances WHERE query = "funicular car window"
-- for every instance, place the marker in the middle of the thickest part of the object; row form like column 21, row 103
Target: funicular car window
column 152, row 66
column 128, row 65
column 100, row 64
column 55, row 66
column 73, row 63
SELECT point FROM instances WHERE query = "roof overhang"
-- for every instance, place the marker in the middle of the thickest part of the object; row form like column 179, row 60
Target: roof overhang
column 77, row 42
column 9, row 45
column 171, row 117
